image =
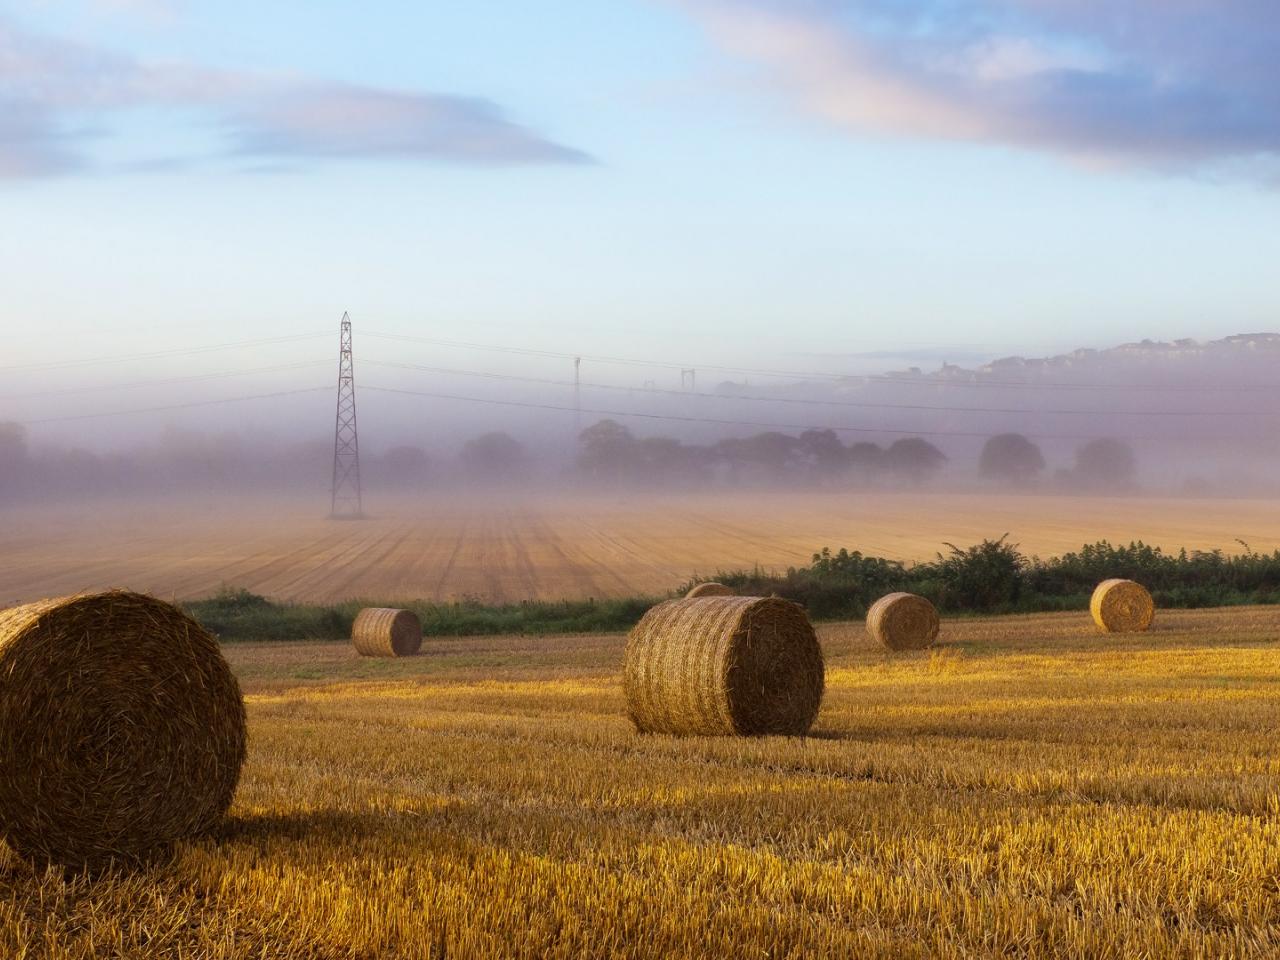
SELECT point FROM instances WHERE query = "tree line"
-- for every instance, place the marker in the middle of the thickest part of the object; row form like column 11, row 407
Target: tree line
column 610, row 452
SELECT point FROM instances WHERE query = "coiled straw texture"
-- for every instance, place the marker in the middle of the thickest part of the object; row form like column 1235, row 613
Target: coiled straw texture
column 1122, row 606
column 122, row 729
column 386, row 632
column 903, row 621
column 724, row 665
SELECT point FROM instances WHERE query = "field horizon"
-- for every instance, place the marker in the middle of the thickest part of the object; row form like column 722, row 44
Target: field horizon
column 512, row 546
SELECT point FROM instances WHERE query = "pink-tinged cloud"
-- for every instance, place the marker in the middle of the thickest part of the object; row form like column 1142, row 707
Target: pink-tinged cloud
column 55, row 97
column 1171, row 83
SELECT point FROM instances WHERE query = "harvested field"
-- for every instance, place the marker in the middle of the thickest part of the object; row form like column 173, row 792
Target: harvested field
column 517, row 548
column 1027, row 788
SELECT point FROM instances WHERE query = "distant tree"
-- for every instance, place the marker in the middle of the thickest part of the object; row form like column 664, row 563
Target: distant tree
column 608, row 450
column 913, row 459
column 77, row 471
column 658, row 459
column 1010, row 458
column 14, row 458
column 406, row 458
column 865, row 460
column 665, row 461
column 492, row 456
column 827, row 457
column 732, row 452
column 405, row 465
column 772, row 451
column 1105, row 464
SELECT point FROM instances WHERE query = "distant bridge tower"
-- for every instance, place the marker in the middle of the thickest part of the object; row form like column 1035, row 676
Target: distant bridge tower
column 347, row 502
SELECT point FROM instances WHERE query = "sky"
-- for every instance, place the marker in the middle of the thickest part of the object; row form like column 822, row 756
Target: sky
column 793, row 184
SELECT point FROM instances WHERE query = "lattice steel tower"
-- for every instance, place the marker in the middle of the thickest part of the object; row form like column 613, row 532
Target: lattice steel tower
column 347, row 503
column 577, row 394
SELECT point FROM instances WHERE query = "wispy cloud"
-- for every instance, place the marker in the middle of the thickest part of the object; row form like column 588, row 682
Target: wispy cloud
column 1170, row 83
column 29, row 144
column 57, row 97
column 337, row 121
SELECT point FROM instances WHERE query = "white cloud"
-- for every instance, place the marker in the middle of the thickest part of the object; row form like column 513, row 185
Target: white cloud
column 53, row 92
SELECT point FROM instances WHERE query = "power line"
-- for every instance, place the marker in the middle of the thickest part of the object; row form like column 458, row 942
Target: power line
column 824, row 375
column 173, row 406
column 167, row 381
column 865, row 404
column 726, row 422
column 156, row 354
column 630, row 361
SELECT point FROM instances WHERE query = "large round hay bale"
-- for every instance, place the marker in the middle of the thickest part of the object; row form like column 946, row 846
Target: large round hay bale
column 710, row 589
column 122, row 728
column 903, row 621
column 1122, row 606
column 724, row 665
column 386, row 632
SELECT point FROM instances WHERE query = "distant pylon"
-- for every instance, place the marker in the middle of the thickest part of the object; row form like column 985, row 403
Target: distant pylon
column 577, row 393
column 347, row 502
column 688, row 380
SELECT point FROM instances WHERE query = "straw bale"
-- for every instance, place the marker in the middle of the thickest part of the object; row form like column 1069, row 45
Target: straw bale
column 903, row 621
column 122, row 729
column 710, row 589
column 1122, row 606
column 386, row 632
column 724, row 665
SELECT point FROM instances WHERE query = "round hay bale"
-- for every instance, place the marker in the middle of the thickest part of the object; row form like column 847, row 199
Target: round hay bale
column 1122, row 606
column 724, row 665
column 386, row 632
column 710, row 589
column 903, row 621
column 122, row 729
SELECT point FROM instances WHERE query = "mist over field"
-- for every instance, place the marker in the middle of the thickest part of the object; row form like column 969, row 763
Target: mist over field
column 1152, row 418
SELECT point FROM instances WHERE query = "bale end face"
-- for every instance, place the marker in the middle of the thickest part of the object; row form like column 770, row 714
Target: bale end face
column 386, row 632
column 1122, row 606
column 122, row 729
column 724, row 666
column 710, row 589
column 903, row 621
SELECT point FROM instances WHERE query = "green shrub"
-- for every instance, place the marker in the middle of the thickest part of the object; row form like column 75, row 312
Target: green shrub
column 989, row 577
column 985, row 577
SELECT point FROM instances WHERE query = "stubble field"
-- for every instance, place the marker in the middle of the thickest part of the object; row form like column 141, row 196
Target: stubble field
column 1029, row 788
column 517, row 546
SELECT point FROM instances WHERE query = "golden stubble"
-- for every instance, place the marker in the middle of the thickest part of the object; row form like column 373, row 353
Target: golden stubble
column 1027, row 787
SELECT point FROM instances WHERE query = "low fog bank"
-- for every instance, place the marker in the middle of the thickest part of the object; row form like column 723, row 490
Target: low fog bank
column 1175, row 418
column 610, row 456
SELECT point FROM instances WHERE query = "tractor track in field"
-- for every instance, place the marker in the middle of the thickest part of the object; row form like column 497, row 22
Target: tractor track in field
column 459, row 540
column 442, row 546
column 257, row 579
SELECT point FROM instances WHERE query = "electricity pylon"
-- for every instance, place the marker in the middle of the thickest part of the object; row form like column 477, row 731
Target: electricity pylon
column 577, row 394
column 347, row 503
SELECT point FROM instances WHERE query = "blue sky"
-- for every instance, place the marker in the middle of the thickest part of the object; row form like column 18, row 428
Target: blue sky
column 736, row 180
